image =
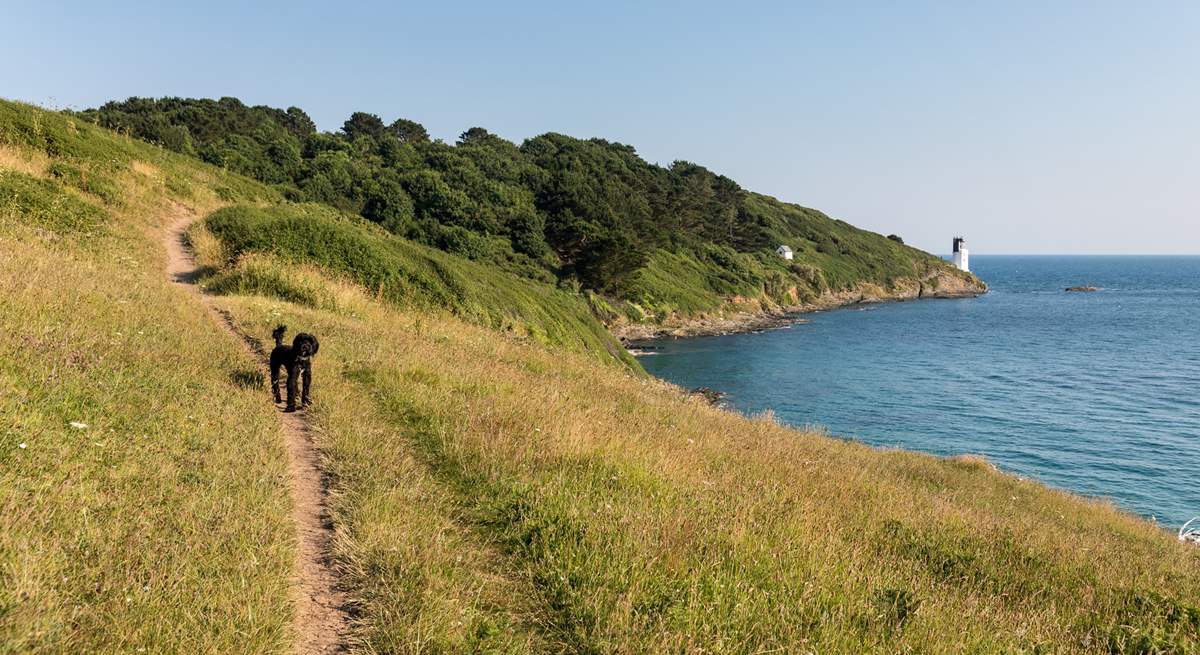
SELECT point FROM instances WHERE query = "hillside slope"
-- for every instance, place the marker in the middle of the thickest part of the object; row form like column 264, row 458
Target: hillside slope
column 600, row 512
column 134, row 443
column 490, row 492
column 400, row 271
column 657, row 245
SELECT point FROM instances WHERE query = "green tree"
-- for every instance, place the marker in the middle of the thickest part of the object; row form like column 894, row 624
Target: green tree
column 363, row 124
column 408, row 131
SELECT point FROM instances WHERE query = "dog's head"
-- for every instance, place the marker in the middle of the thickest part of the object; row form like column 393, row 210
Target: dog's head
column 305, row 346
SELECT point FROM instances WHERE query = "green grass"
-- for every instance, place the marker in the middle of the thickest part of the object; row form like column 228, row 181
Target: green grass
column 844, row 255
column 689, row 284
column 43, row 203
column 89, row 158
column 830, row 256
column 409, row 274
column 96, row 184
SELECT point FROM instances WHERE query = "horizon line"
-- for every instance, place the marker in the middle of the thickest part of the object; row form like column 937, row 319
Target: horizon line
column 1069, row 254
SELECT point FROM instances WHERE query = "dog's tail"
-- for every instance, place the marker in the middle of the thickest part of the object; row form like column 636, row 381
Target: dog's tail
column 278, row 334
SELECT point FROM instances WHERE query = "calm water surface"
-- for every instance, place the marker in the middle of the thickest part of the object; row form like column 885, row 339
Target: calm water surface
column 1093, row 392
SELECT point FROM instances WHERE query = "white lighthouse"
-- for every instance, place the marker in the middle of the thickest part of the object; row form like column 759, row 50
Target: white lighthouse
column 961, row 257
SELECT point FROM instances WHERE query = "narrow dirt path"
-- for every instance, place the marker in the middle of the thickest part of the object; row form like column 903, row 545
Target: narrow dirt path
column 321, row 622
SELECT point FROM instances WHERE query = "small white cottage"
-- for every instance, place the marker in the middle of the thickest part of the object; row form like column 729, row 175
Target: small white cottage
column 784, row 252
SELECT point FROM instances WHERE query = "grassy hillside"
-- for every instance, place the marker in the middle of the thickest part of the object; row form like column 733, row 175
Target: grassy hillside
column 829, row 256
column 650, row 242
column 403, row 272
column 490, row 493
column 143, row 501
column 598, row 512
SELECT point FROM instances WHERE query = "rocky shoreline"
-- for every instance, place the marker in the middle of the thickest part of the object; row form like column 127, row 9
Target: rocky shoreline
column 744, row 315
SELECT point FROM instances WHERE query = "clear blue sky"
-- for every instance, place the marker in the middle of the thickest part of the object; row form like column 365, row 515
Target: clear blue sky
column 1029, row 127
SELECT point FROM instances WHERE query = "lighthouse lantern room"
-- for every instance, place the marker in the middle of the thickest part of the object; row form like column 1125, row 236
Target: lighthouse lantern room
column 961, row 257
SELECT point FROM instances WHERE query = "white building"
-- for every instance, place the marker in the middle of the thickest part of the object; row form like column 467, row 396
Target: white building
column 962, row 259
column 784, row 252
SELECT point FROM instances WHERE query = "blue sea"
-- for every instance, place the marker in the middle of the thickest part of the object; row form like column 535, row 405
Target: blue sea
column 1097, row 393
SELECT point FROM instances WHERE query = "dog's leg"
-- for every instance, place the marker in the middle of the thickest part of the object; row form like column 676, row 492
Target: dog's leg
column 307, row 379
column 293, row 373
column 275, row 366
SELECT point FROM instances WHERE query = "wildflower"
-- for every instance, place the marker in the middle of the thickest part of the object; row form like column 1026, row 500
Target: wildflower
column 21, row 445
column 79, row 425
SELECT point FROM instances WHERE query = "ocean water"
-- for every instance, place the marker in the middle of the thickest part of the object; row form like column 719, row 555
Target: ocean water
column 1098, row 393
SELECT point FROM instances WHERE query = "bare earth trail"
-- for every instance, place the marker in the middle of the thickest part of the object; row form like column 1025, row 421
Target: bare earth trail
column 321, row 622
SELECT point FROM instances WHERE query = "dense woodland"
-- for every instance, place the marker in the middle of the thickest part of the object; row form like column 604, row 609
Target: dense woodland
column 588, row 213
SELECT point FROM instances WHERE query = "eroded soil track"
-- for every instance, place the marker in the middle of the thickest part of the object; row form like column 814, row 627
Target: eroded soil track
column 321, row 620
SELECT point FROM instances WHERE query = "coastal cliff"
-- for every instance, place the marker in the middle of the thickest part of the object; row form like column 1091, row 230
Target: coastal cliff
column 749, row 314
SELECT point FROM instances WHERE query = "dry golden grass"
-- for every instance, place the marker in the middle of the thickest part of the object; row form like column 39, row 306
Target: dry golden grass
column 143, row 495
column 24, row 160
column 637, row 519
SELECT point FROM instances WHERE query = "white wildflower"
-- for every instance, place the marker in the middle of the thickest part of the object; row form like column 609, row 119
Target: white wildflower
column 21, row 445
column 79, row 425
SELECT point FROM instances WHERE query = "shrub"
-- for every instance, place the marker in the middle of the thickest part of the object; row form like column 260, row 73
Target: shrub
column 96, row 184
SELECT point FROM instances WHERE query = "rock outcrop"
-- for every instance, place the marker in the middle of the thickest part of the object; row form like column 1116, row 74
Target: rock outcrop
column 742, row 314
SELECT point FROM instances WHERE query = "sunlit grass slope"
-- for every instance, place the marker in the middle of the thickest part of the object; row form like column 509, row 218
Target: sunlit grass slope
column 571, row 506
column 143, row 499
column 405, row 273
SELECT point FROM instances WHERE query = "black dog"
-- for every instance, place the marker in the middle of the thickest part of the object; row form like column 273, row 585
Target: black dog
column 297, row 359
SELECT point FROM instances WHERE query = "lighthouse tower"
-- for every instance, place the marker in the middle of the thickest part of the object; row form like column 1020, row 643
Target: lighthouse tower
column 961, row 256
